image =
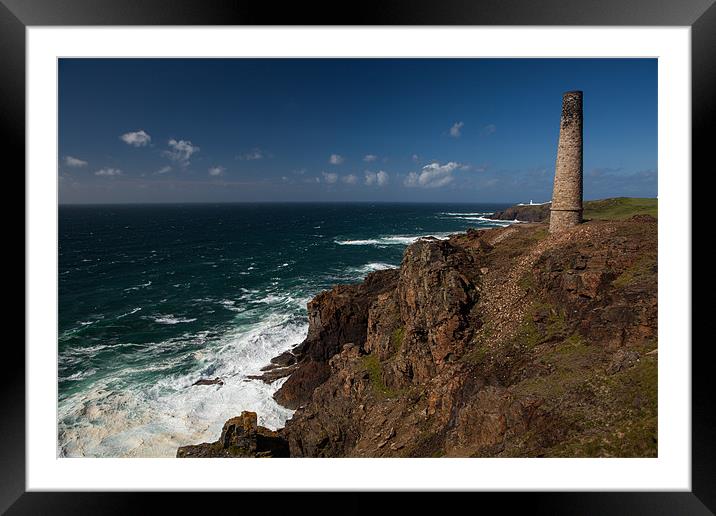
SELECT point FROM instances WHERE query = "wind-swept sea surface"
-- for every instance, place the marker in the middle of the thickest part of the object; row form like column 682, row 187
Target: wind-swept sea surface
column 153, row 298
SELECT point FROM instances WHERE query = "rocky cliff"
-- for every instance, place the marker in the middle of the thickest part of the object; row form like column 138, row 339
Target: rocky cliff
column 501, row 342
column 616, row 208
column 524, row 213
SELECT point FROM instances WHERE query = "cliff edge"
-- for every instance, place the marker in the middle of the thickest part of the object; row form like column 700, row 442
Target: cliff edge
column 495, row 343
column 616, row 208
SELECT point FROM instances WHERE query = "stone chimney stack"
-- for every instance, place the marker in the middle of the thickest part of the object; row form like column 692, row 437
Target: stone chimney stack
column 566, row 209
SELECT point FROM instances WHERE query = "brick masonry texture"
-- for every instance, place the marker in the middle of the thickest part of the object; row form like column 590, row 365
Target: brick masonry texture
column 566, row 209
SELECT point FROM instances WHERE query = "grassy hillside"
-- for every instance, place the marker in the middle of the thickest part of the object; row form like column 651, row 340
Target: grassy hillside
column 620, row 208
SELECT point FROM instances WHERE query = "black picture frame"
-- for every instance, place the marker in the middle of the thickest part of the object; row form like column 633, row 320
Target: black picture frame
column 16, row 15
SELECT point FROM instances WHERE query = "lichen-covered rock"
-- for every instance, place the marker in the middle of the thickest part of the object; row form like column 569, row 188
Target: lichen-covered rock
column 437, row 294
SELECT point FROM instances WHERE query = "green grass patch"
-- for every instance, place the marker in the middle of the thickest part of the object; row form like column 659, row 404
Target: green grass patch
column 371, row 363
column 396, row 339
column 569, row 360
column 518, row 243
column 620, row 208
column 645, row 266
column 532, row 333
column 542, row 323
column 639, row 380
column 573, row 354
column 621, row 420
column 477, row 354
column 527, row 282
column 550, row 386
column 540, row 233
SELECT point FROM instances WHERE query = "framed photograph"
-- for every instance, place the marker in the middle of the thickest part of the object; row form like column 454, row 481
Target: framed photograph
column 418, row 248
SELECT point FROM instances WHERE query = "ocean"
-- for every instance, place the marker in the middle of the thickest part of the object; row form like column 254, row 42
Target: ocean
column 154, row 297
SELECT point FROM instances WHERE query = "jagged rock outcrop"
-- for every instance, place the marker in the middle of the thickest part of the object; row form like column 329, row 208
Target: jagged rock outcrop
column 208, row 381
column 501, row 342
column 335, row 317
column 240, row 437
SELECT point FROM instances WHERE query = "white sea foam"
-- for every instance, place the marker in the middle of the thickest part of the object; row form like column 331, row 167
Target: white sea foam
column 71, row 331
column 479, row 217
column 132, row 311
column 81, row 375
column 153, row 419
column 137, row 287
column 359, row 273
column 461, row 214
column 375, row 266
column 229, row 304
column 271, row 299
column 393, row 239
column 493, row 221
column 371, row 241
column 171, row 319
column 89, row 350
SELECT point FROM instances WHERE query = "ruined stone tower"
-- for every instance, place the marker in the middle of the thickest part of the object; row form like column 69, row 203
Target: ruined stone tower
column 566, row 209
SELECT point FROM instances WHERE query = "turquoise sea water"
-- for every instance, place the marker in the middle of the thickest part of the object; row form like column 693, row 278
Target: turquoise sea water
column 153, row 298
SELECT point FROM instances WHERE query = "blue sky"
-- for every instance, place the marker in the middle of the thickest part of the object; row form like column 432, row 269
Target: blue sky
column 409, row 130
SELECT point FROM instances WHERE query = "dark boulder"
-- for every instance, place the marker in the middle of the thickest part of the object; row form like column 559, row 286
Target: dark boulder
column 240, row 437
column 207, row 381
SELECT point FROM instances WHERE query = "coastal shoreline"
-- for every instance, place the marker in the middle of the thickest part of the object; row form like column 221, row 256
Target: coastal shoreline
column 497, row 342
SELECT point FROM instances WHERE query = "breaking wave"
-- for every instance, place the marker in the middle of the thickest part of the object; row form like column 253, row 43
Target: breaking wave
column 393, row 239
column 131, row 413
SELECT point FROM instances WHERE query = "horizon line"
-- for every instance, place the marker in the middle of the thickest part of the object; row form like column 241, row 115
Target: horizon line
column 169, row 203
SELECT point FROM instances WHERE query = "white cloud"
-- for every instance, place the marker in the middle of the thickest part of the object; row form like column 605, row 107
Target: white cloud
column 181, row 151
column 164, row 170
column 216, row 171
column 335, row 159
column 433, row 175
column 350, row 179
column 455, row 130
column 74, row 162
column 253, row 155
column 488, row 129
column 330, row 177
column 108, row 172
column 369, row 158
column 136, row 138
column 379, row 178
